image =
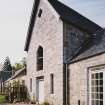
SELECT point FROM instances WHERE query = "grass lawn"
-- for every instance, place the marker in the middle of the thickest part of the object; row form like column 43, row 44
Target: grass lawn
column 2, row 99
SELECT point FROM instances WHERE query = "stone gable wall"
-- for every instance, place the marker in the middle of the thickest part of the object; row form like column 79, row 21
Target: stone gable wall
column 48, row 33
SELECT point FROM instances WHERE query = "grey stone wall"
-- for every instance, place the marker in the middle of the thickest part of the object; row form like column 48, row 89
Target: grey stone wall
column 79, row 78
column 47, row 32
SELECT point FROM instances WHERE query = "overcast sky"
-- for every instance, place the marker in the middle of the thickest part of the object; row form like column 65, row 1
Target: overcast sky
column 14, row 20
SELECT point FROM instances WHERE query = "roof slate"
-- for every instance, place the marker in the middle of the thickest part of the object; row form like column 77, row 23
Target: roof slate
column 71, row 16
column 17, row 73
column 95, row 47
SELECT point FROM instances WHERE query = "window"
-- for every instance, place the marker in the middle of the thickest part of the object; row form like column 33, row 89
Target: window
column 52, row 83
column 30, row 84
column 40, row 58
column 40, row 13
column 96, row 88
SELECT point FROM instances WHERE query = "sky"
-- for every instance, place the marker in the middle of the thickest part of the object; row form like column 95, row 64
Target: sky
column 14, row 21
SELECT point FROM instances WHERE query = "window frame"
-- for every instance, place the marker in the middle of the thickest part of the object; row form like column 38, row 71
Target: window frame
column 90, row 85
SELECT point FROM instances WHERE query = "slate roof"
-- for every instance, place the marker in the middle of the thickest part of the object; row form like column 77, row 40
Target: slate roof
column 17, row 73
column 96, row 46
column 69, row 15
column 66, row 14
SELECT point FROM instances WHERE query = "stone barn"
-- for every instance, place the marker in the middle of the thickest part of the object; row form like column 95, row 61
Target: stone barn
column 66, row 56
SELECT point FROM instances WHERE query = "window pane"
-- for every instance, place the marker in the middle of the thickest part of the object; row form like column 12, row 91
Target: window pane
column 101, row 96
column 96, row 82
column 101, row 82
column 93, row 76
column 93, row 102
column 93, row 82
column 101, row 102
column 101, row 75
column 101, row 89
column 40, row 58
column 97, row 102
column 96, row 76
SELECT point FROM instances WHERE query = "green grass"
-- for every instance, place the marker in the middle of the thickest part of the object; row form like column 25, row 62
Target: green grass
column 2, row 99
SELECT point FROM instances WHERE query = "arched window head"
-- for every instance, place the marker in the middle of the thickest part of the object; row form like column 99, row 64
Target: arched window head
column 40, row 58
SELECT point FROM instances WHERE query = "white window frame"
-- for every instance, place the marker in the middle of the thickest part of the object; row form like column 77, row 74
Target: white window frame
column 97, row 71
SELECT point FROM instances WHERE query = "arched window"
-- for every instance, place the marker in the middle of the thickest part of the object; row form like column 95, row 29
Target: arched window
column 40, row 58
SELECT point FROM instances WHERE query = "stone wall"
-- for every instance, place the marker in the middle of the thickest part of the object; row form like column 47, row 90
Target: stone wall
column 78, row 79
column 48, row 33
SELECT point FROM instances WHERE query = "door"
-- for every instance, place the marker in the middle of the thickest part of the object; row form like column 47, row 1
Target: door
column 41, row 91
column 97, row 88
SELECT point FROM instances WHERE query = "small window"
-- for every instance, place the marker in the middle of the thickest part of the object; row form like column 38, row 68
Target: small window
column 40, row 58
column 40, row 13
column 52, row 83
column 30, row 84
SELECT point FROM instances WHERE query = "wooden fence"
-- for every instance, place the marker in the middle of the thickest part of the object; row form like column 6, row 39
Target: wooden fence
column 15, row 91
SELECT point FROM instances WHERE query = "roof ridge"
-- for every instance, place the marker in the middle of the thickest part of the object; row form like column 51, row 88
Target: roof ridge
column 74, row 11
column 68, row 15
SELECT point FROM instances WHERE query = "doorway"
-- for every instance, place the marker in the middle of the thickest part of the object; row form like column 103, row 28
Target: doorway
column 40, row 90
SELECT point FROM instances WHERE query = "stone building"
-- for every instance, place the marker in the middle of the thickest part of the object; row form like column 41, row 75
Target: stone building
column 66, row 59
column 18, row 76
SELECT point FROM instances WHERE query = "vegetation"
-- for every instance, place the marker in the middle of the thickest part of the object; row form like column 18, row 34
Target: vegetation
column 2, row 99
column 17, row 91
column 6, row 70
column 7, row 65
column 19, row 65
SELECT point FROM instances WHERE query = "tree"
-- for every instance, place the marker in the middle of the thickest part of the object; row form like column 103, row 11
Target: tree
column 18, row 66
column 6, row 70
column 7, row 65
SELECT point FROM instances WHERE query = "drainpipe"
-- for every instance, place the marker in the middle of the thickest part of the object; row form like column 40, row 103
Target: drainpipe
column 66, row 84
